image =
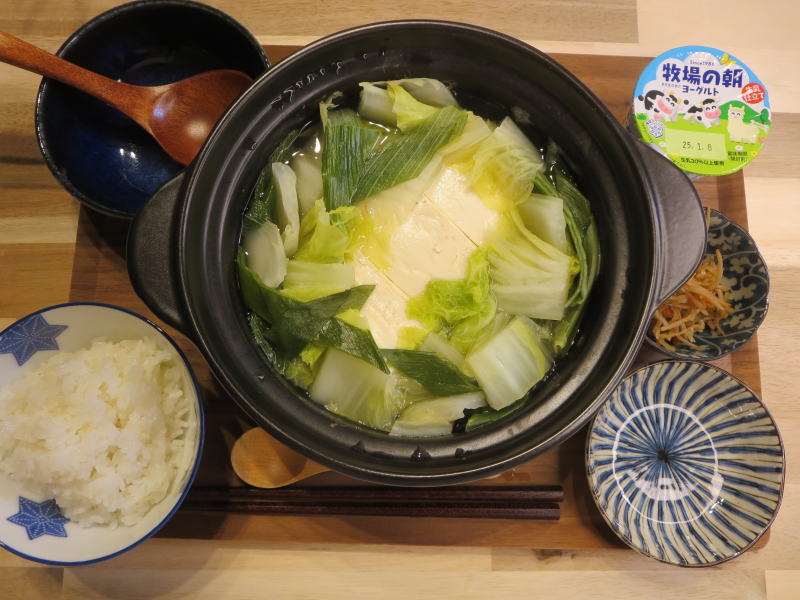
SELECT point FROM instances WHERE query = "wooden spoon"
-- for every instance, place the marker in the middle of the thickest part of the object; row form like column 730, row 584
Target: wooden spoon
column 262, row 461
column 178, row 115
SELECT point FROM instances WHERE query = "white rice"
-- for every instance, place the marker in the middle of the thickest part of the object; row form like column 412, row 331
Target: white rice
column 103, row 430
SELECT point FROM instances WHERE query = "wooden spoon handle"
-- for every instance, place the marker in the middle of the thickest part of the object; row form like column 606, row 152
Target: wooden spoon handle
column 122, row 96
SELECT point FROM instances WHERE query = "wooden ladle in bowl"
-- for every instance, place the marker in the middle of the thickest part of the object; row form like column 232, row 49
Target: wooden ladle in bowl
column 178, row 115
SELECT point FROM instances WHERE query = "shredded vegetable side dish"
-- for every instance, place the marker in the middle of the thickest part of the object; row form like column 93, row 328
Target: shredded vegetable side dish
column 701, row 303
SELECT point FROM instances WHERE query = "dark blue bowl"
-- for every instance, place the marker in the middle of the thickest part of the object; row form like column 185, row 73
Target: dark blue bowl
column 101, row 156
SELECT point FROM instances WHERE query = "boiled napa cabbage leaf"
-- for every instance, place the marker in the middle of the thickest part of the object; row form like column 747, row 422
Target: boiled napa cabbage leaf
column 504, row 167
column 265, row 195
column 529, row 276
column 377, row 101
column 354, row 389
column 429, row 418
column 511, row 362
column 544, row 216
column 458, row 309
column 434, row 342
column 462, row 148
column 374, row 104
column 409, row 112
column 320, row 241
column 265, row 253
column 428, row 90
column 325, row 275
column 410, row 337
column 287, row 212
column 582, row 233
column 308, row 170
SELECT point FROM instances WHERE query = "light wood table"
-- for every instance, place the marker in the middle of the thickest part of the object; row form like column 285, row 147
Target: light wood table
column 38, row 222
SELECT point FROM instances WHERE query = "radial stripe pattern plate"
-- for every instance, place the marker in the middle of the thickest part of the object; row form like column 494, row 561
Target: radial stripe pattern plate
column 685, row 463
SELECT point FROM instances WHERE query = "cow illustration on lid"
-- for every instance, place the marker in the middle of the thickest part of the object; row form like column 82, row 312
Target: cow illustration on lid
column 707, row 112
column 660, row 106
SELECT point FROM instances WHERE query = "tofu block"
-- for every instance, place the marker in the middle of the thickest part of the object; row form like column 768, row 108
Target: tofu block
column 385, row 309
column 453, row 196
column 427, row 246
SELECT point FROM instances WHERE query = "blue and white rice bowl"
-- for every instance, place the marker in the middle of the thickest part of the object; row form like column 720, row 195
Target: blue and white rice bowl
column 685, row 464
column 745, row 273
column 33, row 526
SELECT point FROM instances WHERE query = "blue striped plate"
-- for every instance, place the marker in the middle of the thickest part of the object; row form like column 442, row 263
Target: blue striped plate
column 685, row 464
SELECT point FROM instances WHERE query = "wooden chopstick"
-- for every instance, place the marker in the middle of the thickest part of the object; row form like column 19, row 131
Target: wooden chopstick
column 539, row 502
column 464, row 494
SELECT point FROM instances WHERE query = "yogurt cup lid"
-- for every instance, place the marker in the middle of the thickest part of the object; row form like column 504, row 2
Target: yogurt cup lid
column 703, row 108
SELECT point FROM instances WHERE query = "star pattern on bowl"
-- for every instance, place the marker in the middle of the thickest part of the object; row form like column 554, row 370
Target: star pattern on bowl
column 40, row 518
column 27, row 337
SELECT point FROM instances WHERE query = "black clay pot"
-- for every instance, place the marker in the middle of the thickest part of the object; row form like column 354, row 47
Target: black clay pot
column 652, row 233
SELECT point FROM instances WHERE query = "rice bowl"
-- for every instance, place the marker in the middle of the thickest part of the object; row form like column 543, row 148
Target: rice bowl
column 109, row 507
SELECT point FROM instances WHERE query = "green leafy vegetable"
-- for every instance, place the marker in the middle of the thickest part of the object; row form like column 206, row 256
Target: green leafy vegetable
column 298, row 328
column 381, row 102
column 510, row 363
column 487, row 416
column 353, row 317
column 583, row 233
column 436, row 374
column 262, row 202
column 404, row 158
column 260, row 329
column 404, row 391
column 348, row 142
column 460, row 309
column 410, row 338
column 296, row 324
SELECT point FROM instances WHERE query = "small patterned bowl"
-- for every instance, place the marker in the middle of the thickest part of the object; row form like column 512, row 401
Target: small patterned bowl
column 32, row 526
column 745, row 272
column 98, row 154
column 685, row 464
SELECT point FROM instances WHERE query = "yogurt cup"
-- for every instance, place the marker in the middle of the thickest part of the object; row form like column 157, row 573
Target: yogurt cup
column 702, row 108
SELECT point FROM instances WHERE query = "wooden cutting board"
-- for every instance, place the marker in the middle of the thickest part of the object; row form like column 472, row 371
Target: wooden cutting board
column 99, row 274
